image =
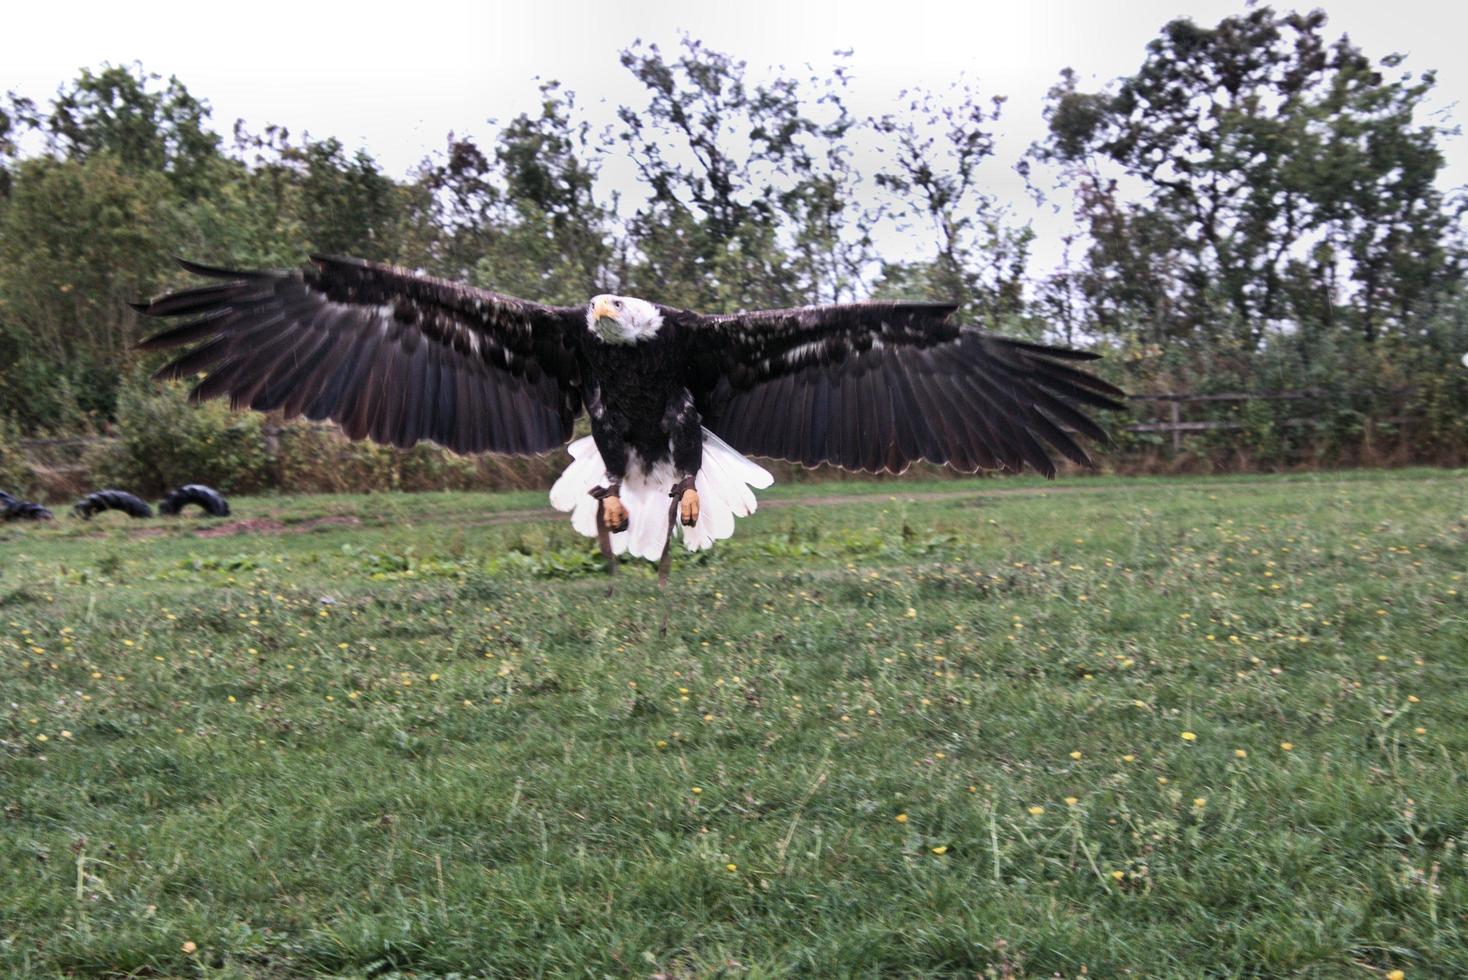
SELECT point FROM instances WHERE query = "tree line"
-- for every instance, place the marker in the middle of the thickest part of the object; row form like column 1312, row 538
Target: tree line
column 1258, row 203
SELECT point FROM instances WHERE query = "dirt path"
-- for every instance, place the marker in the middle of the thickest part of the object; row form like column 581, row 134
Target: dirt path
column 848, row 499
column 268, row 525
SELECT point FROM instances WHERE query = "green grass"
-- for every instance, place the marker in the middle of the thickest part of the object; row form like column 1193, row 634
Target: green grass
column 471, row 760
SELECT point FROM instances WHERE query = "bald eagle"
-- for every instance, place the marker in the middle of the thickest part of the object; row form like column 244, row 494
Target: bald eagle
column 676, row 398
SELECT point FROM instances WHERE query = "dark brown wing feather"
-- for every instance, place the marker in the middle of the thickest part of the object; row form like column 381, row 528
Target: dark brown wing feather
column 387, row 354
column 879, row 386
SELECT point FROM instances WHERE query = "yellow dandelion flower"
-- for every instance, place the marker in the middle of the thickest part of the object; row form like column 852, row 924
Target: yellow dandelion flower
column 697, row 790
column 1287, row 746
column 1240, row 754
column 1396, row 975
column 941, row 850
column 1200, row 802
column 731, row 868
column 1420, row 730
column 1189, row 737
column 1128, row 758
column 1071, row 800
column 1118, row 875
column 1412, row 698
column 901, row 818
column 190, row 947
column 1035, row 811
column 1075, row 755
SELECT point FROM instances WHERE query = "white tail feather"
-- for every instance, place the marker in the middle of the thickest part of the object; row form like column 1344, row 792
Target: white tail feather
column 723, row 486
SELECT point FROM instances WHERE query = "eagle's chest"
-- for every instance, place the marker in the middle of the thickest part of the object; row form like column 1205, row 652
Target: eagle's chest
column 637, row 380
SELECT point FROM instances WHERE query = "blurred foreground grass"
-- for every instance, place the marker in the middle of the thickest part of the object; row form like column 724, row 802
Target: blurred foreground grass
column 1177, row 727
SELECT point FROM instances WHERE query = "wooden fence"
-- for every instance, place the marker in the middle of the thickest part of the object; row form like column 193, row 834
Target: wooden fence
column 1178, row 427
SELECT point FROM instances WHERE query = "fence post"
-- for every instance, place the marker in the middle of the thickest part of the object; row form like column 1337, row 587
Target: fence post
column 1176, row 414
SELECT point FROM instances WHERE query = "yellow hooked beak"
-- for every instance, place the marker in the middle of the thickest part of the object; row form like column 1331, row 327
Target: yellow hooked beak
column 603, row 310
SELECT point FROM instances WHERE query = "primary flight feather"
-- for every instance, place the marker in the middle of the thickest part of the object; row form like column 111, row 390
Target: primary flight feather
column 676, row 398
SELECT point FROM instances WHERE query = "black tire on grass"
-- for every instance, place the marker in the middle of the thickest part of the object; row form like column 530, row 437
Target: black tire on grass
column 208, row 498
column 95, row 503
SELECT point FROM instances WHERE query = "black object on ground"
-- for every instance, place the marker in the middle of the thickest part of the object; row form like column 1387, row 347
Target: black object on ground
column 208, row 498
column 14, row 509
column 95, row 503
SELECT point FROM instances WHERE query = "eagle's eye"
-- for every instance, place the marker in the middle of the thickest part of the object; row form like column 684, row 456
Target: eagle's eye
column 617, row 303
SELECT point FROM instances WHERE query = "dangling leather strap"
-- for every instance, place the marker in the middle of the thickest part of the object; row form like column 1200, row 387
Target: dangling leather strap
column 604, row 533
column 665, row 562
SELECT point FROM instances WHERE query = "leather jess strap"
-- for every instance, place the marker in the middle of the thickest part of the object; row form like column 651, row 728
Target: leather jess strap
column 604, row 533
column 665, row 561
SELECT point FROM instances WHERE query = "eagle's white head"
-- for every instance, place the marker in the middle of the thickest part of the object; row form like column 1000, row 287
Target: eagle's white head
column 622, row 319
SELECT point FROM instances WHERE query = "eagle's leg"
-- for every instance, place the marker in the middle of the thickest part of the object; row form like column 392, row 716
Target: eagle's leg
column 685, row 431
column 688, row 507
column 613, row 513
column 608, row 430
column 685, row 502
column 604, row 529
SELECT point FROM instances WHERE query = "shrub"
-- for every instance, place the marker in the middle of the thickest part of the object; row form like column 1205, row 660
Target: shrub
column 164, row 441
column 16, row 476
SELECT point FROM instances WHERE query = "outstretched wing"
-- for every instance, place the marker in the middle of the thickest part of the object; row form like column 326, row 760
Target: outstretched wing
column 878, row 386
column 387, row 354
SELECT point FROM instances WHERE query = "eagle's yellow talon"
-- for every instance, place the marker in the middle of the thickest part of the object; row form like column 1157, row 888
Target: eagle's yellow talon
column 614, row 514
column 688, row 507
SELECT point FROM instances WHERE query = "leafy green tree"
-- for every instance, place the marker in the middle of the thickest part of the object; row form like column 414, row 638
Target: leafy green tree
column 131, row 176
column 553, row 215
column 1281, row 177
column 524, row 217
column 829, row 242
column 749, row 187
column 79, row 239
column 348, row 205
column 15, row 118
column 462, row 201
column 124, row 112
column 933, row 151
column 1386, row 220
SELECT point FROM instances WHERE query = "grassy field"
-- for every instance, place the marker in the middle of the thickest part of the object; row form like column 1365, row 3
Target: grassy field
column 1175, row 728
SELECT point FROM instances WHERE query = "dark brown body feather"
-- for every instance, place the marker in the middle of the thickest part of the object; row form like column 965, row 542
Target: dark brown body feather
column 398, row 357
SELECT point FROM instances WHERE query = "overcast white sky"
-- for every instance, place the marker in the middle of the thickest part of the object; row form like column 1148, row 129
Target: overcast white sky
column 397, row 78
